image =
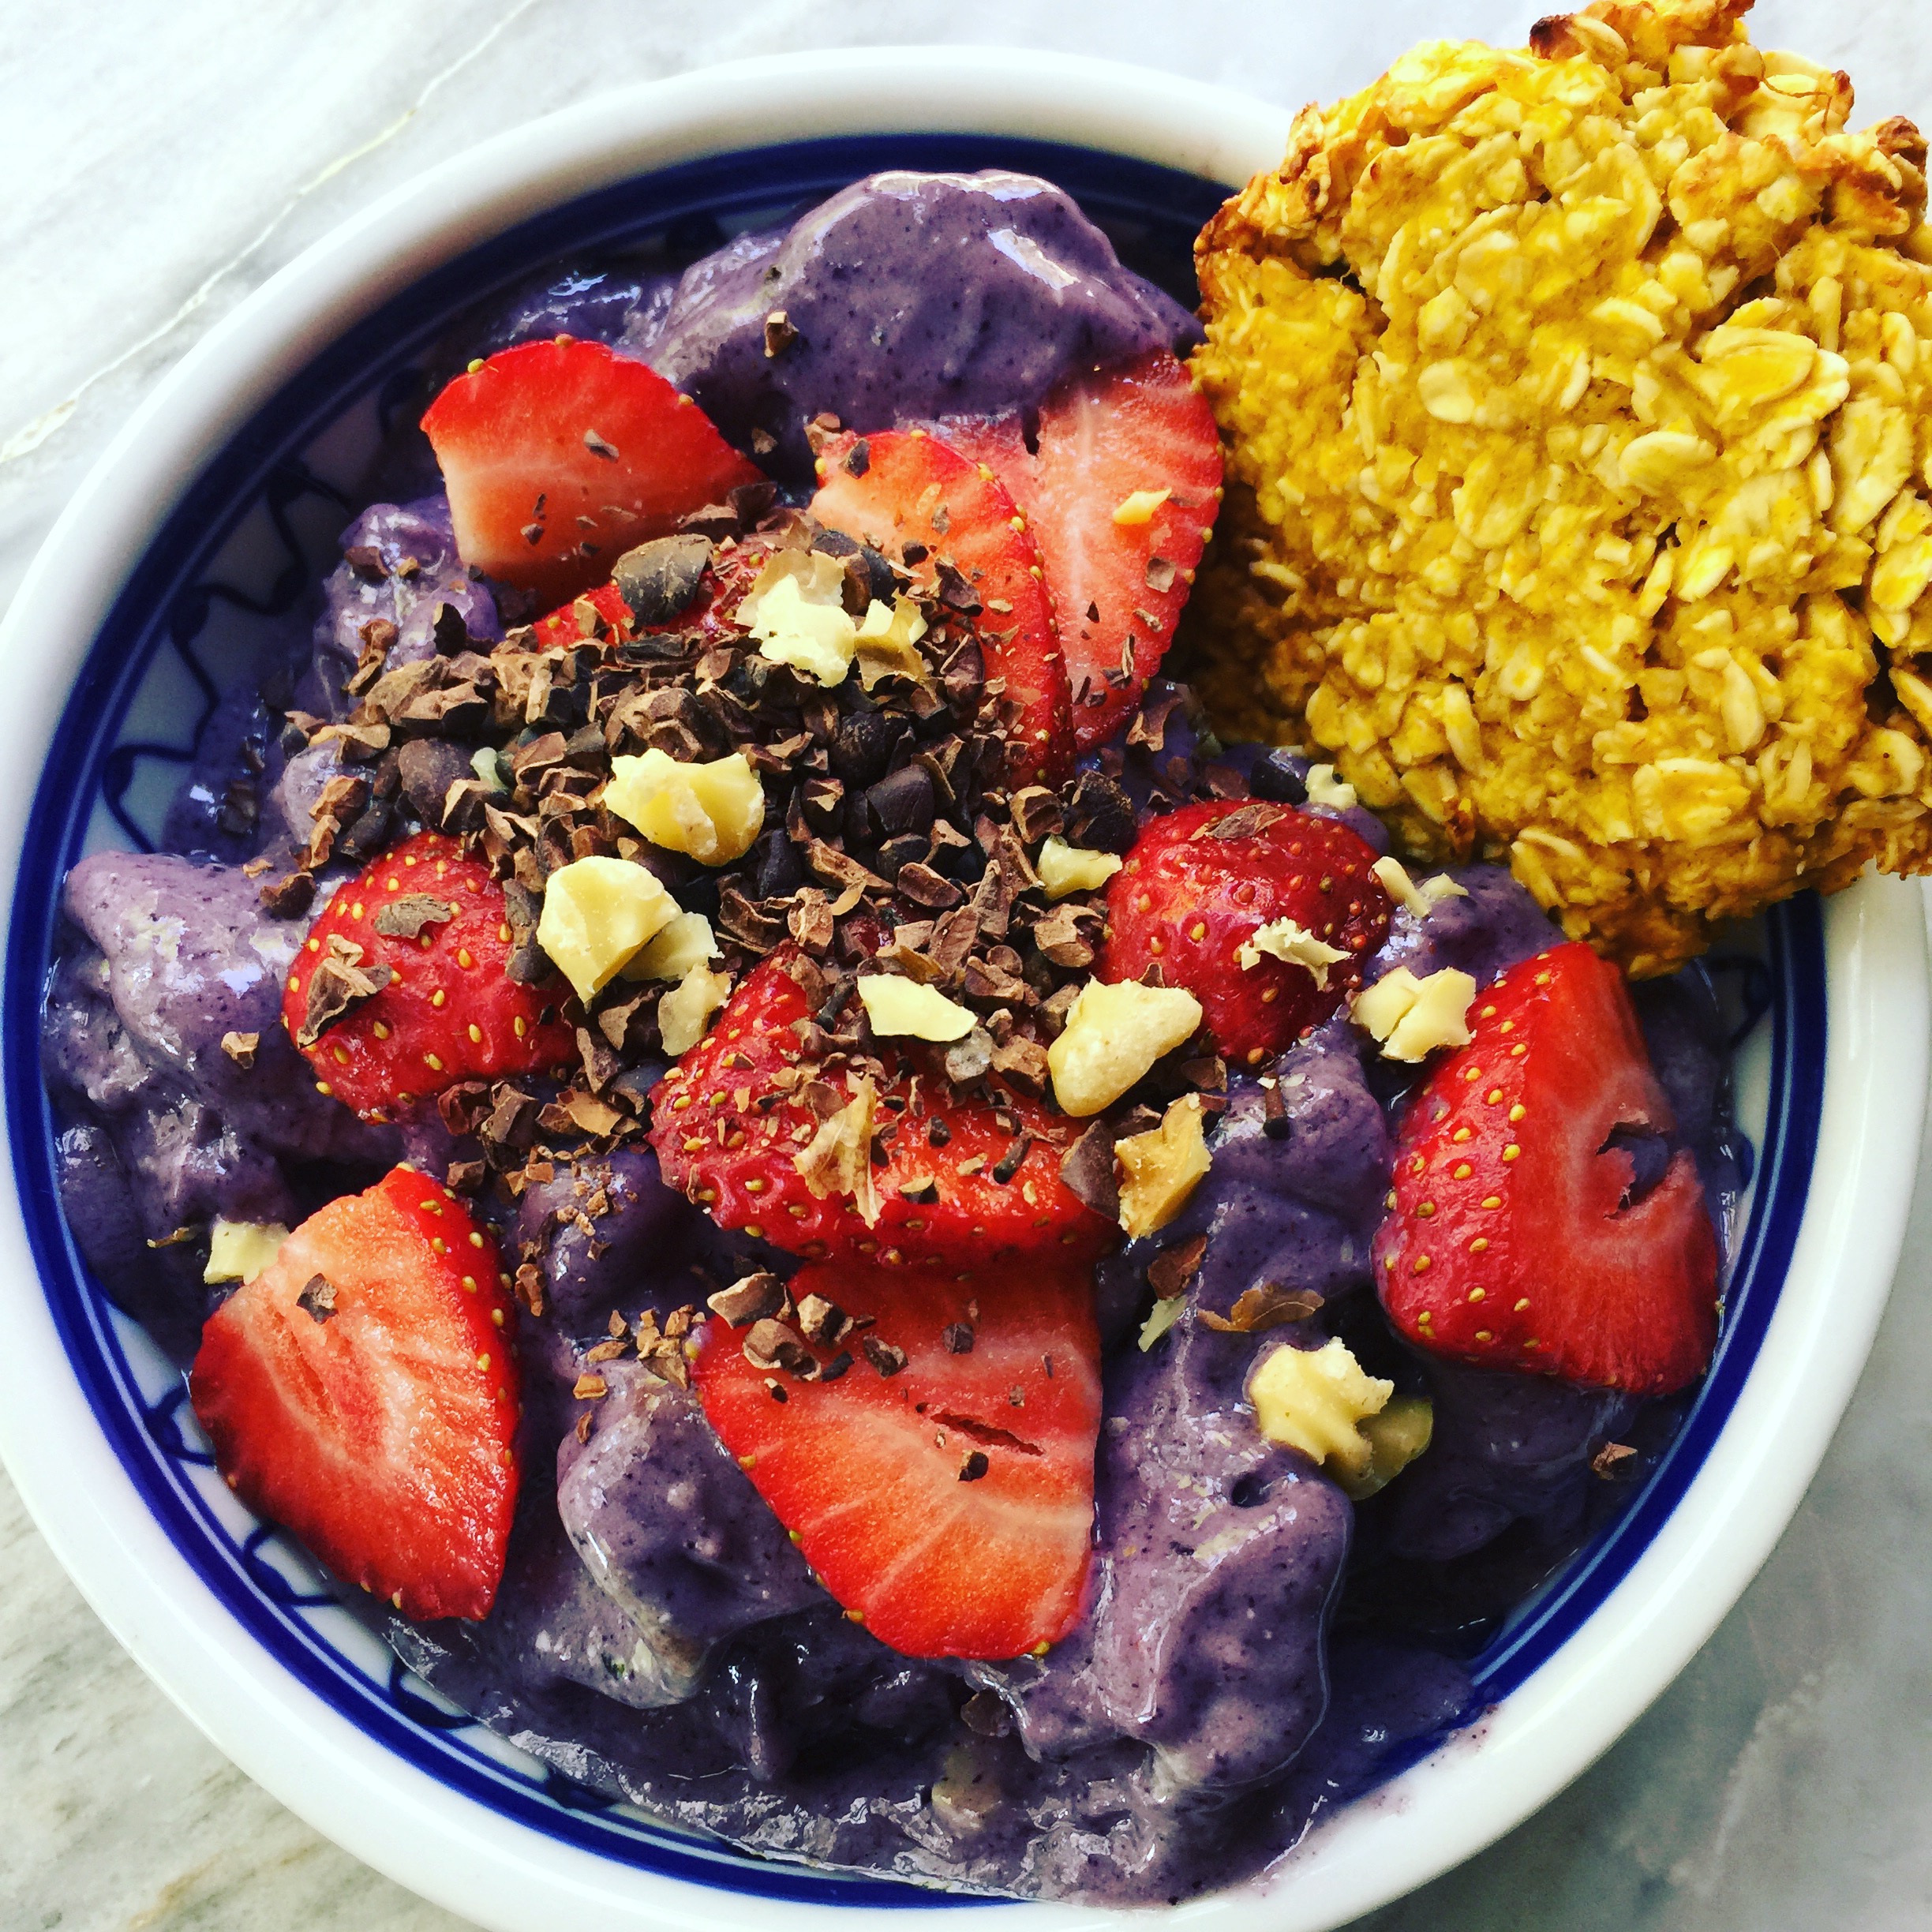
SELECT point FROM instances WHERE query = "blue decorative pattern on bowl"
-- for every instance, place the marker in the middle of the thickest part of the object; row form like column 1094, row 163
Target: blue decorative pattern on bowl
column 232, row 567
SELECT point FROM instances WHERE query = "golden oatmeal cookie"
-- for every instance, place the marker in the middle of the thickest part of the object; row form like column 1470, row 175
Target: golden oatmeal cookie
column 1579, row 459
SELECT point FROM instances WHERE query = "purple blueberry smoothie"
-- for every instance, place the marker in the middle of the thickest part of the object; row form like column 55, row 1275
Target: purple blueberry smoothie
column 1257, row 1647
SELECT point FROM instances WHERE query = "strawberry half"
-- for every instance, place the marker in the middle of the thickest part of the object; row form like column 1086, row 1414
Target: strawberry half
column 914, row 498
column 961, row 1177
column 936, row 1468
column 1135, row 442
column 430, row 930
column 1201, row 881
column 361, row 1390
column 558, row 455
column 1507, row 1243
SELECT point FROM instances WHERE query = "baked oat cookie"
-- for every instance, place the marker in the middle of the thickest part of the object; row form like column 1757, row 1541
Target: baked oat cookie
column 1576, row 407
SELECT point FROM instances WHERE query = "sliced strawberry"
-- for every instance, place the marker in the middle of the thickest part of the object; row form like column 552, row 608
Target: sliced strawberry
column 1201, row 881
column 1508, row 1243
column 904, row 491
column 1108, row 442
column 731, row 1119
column 562, row 626
column 558, row 455
column 361, row 1390
column 447, row 1009
column 946, row 1503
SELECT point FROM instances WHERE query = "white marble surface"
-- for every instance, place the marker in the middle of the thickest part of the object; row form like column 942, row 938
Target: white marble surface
column 164, row 160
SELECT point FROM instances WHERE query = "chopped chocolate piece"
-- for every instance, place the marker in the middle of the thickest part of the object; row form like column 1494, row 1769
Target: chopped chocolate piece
column 749, row 1300
column 1274, row 1122
column 863, row 746
column 822, row 800
column 902, row 802
column 529, row 1287
column 240, row 1048
column 1607, row 1462
column 1100, row 815
column 337, row 986
column 600, row 1065
column 1035, row 813
column 317, row 1299
column 466, row 1177
column 955, row 592
column 462, row 1106
column 974, row 1465
column 750, row 925
column 986, row 981
column 240, row 808
column 530, row 762
column 589, row 1114
column 958, row 1337
column 341, row 798
column 1065, row 935
column 1171, row 1269
column 771, row 1344
column 824, row 1322
column 953, row 941
column 448, row 632
column 882, row 1355
column 512, row 1120
column 1087, row 1169
column 428, row 767
column 838, row 868
column 1149, row 726
column 366, row 561
column 658, row 579
column 832, row 1370
column 779, row 336
column 1269, row 1306
column 1024, row 1062
column 969, row 1059
column 1009, row 1162
column 1256, row 816
column 405, row 917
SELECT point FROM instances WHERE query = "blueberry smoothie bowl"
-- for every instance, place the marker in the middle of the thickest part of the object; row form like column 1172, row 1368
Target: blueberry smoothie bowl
column 840, row 1245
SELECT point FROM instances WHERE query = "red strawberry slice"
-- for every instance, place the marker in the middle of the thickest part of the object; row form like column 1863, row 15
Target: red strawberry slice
column 562, row 626
column 431, row 927
column 914, row 499
column 559, row 455
column 1106, row 439
column 948, row 1504
column 1507, row 1244
column 361, row 1390
column 961, row 1176
column 1201, row 881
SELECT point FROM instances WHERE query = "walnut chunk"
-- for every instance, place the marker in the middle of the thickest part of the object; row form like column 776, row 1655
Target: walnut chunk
column 1316, row 1400
column 714, row 811
column 1162, row 1167
column 1113, row 1037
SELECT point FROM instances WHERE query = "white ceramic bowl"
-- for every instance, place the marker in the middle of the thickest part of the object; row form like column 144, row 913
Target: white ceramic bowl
column 1833, row 1085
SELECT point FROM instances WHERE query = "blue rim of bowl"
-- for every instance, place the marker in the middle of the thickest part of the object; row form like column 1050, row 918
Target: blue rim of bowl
column 165, row 602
